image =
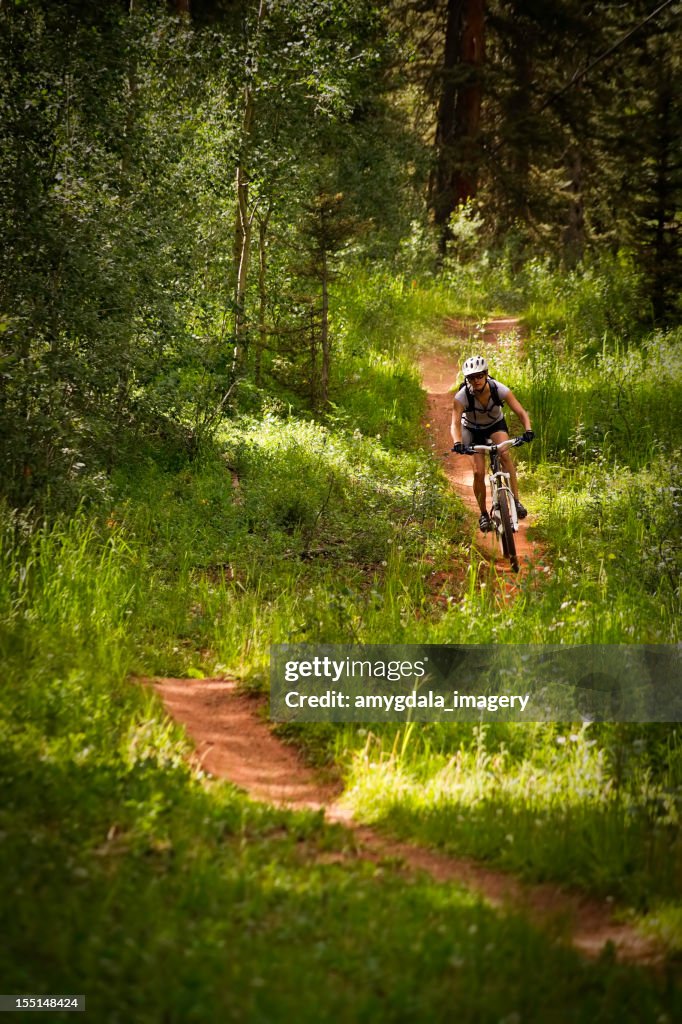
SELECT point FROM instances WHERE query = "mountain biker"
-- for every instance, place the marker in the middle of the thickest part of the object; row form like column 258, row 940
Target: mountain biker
column 477, row 418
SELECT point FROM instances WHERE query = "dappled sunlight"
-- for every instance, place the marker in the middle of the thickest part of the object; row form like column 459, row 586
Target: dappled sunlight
column 558, row 814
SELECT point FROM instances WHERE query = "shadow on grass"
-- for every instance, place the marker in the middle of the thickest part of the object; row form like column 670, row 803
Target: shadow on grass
column 162, row 899
column 611, row 850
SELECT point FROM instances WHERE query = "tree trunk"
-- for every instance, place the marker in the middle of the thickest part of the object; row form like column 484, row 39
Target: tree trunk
column 131, row 116
column 242, row 244
column 324, row 331
column 664, row 271
column 262, row 296
column 468, row 108
column 574, row 233
column 244, row 218
column 519, row 115
column 441, row 203
column 455, row 177
column 313, row 357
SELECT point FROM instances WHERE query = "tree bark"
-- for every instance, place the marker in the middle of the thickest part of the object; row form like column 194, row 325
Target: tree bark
column 244, row 218
column 313, row 357
column 324, row 331
column 262, row 296
column 574, row 233
column 520, row 116
column 242, row 231
column 469, row 96
column 455, row 177
column 665, row 244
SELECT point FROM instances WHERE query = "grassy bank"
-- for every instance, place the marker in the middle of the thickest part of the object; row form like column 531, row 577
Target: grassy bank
column 161, row 895
column 128, row 874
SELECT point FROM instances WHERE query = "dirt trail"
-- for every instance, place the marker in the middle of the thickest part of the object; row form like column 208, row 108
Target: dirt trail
column 233, row 742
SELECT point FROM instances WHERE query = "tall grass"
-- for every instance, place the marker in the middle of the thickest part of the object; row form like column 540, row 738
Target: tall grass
column 599, row 302
column 323, row 531
column 546, row 801
column 622, row 402
column 603, row 481
column 164, row 896
column 387, row 312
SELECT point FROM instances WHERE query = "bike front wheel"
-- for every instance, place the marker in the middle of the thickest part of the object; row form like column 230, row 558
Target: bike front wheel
column 507, row 534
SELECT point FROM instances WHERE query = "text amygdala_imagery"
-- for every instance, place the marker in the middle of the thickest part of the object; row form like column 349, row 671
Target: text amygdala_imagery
column 400, row 702
column 475, row 682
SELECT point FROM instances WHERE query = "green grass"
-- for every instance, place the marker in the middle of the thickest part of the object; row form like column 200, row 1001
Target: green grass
column 329, row 535
column 126, row 873
column 162, row 895
column 548, row 802
column 603, row 481
column 208, row 907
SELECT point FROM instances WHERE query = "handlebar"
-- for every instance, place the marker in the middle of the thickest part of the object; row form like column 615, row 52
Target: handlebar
column 511, row 442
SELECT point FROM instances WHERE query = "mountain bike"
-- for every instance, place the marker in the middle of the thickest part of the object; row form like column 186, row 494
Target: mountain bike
column 503, row 512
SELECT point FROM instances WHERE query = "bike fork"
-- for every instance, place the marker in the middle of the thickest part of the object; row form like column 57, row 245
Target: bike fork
column 500, row 482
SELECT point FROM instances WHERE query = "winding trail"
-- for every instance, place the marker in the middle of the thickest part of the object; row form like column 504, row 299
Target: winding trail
column 233, row 742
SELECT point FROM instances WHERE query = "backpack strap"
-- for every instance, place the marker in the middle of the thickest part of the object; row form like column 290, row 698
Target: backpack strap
column 469, row 394
column 494, row 394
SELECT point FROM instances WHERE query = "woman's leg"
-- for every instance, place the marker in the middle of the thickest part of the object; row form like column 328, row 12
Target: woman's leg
column 506, row 461
column 479, row 480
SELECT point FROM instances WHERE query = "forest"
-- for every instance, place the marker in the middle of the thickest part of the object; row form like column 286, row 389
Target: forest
column 233, row 234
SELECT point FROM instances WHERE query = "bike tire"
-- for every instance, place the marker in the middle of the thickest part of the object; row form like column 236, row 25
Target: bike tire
column 507, row 535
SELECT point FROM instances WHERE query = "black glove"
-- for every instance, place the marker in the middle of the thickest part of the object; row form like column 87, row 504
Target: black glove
column 528, row 436
column 459, row 448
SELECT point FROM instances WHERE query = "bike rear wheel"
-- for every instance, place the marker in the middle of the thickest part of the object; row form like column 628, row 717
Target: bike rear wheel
column 507, row 535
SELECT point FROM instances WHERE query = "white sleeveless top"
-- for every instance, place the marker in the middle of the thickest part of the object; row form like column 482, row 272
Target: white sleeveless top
column 482, row 415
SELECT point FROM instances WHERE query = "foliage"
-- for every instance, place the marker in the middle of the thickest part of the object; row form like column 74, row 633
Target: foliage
column 133, row 879
column 88, row 316
column 175, row 501
column 545, row 801
column 121, row 287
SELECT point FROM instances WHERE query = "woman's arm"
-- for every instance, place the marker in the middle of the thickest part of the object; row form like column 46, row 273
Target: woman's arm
column 456, row 424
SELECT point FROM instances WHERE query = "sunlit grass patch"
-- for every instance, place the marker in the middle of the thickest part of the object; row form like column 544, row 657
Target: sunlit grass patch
column 616, row 531
column 664, row 922
column 135, row 880
column 552, row 810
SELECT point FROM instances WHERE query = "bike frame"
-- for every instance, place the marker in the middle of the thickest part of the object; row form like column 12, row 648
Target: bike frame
column 503, row 514
column 498, row 479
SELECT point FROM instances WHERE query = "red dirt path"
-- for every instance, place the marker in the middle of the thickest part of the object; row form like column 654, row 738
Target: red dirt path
column 233, row 742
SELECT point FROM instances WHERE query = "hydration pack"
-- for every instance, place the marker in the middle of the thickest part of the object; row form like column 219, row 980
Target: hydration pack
column 494, row 394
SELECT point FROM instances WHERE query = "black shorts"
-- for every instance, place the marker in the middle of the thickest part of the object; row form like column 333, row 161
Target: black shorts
column 480, row 435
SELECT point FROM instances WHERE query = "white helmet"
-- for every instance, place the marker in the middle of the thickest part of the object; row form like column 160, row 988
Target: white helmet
column 476, row 364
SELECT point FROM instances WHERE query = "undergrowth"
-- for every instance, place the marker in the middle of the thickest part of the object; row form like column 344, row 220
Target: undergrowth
column 129, row 874
column 134, row 880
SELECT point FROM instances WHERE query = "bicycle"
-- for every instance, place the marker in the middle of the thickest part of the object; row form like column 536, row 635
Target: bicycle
column 503, row 512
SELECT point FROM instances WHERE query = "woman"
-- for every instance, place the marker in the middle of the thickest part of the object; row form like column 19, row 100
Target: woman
column 477, row 418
